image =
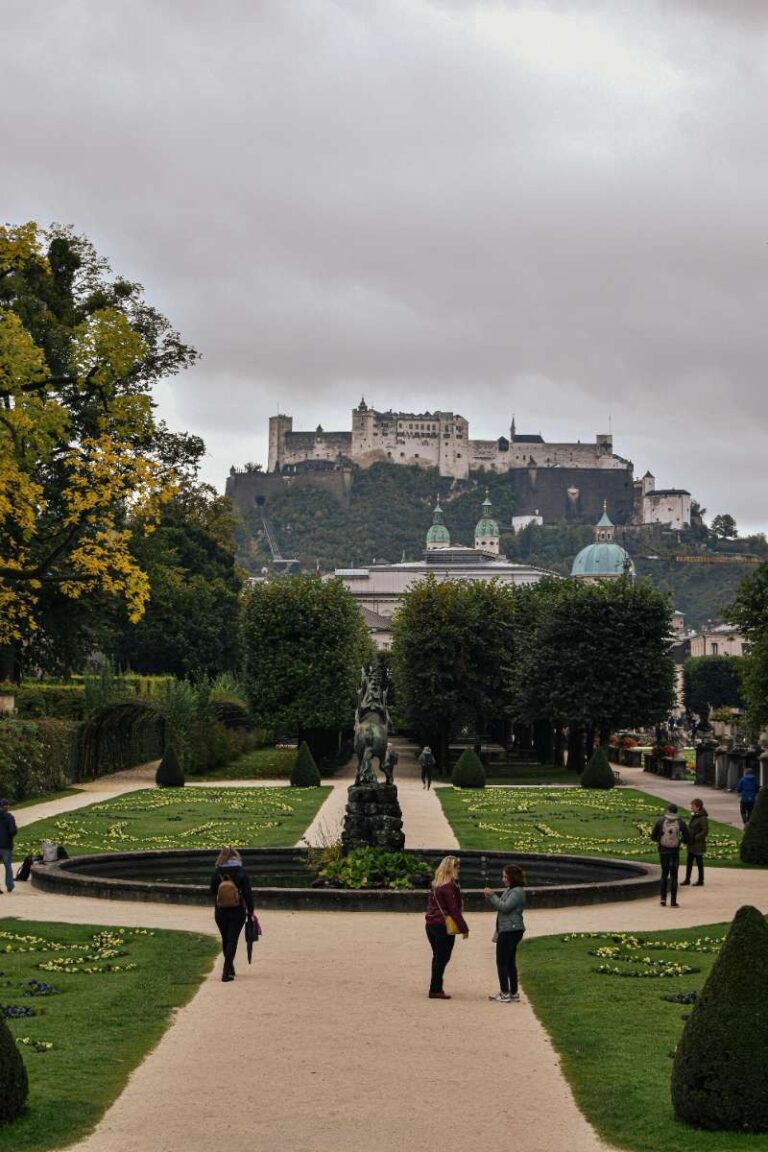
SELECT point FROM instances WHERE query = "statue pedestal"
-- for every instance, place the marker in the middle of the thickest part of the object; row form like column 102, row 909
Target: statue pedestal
column 373, row 818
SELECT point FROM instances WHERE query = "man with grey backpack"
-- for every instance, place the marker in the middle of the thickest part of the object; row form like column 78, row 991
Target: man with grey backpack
column 670, row 832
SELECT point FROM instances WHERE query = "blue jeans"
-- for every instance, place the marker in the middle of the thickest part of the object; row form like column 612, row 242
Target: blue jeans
column 6, row 855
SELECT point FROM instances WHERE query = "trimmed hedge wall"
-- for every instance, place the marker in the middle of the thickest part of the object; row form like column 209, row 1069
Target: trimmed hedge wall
column 37, row 756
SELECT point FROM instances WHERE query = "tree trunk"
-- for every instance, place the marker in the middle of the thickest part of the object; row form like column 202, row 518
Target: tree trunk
column 10, row 664
column 558, row 756
column 575, row 748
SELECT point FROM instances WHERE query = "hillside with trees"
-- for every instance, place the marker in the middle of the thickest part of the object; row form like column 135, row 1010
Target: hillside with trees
column 390, row 510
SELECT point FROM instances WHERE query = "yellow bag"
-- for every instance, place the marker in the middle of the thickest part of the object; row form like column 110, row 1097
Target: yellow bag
column 451, row 926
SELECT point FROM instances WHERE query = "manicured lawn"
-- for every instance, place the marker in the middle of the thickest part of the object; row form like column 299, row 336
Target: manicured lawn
column 180, row 818
column 569, row 821
column 616, row 1035
column 102, row 1021
column 529, row 774
column 260, row 764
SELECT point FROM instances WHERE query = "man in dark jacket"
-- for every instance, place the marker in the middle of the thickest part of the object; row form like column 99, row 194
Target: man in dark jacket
column 747, row 789
column 8, row 830
column 670, row 832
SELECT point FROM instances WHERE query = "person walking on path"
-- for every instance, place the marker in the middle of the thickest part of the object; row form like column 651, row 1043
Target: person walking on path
column 427, row 763
column 747, row 789
column 669, row 832
column 234, row 901
column 698, row 830
column 390, row 763
column 509, row 905
column 444, row 921
column 8, row 831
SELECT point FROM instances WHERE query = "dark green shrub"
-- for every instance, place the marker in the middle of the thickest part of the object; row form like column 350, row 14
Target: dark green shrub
column 598, row 773
column 14, row 1084
column 37, row 756
column 169, row 773
column 376, row 868
column 62, row 701
column 304, row 773
column 718, row 1075
column 754, row 844
column 468, row 771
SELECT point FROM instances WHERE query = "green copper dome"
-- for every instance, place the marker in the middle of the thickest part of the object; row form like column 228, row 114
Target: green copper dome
column 438, row 535
column 486, row 525
column 602, row 560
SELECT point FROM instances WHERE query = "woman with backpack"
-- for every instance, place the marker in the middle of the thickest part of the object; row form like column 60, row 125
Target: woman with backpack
column 234, row 901
column 669, row 832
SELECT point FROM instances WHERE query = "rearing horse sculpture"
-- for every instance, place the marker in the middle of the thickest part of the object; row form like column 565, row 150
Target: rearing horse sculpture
column 371, row 724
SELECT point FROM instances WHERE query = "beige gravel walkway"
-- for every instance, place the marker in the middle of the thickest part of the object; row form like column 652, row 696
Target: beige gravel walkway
column 720, row 805
column 335, row 1045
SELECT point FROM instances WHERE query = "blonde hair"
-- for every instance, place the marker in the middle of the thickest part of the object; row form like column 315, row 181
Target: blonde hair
column 447, row 870
column 228, row 853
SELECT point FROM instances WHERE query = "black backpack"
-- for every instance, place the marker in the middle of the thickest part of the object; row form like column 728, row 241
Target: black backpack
column 25, row 868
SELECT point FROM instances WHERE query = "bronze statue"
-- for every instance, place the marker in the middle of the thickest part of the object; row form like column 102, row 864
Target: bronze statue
column 371, row 724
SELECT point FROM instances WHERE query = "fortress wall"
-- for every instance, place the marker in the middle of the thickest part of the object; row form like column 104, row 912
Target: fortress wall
column 244, row 487
column 545, row 490
column 300, row 446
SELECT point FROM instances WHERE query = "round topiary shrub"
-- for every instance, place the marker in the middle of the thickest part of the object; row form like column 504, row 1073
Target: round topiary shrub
column 304, row 773
column 14, row 1084
column 169, row 773
column 754, row 844
column 718, row 1075
column 468, row 771
column 598, row 773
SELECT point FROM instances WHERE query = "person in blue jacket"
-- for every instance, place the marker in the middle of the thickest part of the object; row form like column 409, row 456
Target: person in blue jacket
column 747, row 789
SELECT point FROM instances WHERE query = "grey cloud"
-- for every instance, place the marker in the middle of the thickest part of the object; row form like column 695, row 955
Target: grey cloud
column 430, row 202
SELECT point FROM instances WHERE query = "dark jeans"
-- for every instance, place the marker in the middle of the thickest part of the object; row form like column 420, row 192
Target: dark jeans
column 229, row 922
column 426, row 777
column 6, row 858
column 746, row 807
column 670, row 862
column 506, row 963
column 442, row 947
column 697, row 859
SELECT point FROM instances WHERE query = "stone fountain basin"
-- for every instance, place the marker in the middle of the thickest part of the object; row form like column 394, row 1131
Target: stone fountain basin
column 281, row 879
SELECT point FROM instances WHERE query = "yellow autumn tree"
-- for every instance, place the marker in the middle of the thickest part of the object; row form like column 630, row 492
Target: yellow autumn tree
column 81, row 452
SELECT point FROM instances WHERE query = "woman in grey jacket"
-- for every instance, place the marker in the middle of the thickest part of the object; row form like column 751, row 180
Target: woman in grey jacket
column 509, row 905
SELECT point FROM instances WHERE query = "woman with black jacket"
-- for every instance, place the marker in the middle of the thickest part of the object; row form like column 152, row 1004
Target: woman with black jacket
column 234, row 901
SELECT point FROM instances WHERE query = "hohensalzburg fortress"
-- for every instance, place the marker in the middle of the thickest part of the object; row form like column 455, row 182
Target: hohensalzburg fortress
column 429, row 439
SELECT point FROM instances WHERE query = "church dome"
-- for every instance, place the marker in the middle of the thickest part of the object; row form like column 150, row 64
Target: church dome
column 486, row 525
column 603, row 560
column 438, row 535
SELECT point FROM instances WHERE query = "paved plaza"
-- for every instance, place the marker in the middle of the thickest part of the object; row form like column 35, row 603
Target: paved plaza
column 328, row 1042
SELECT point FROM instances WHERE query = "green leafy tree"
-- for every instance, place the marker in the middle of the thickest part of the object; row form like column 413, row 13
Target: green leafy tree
column 305, row 773
column 304, row 641
column 718, row 1075
column 79, row 443
column 724, row 527
column 191, row 623
column 713, row 682
column 750, row 613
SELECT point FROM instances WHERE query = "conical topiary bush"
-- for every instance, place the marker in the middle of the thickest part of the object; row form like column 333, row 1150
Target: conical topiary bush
column 754, row 844
column 169, row 773
column 468, row 771
column 598, row 773
column 304, row 773
column 718, row 1076
column 14, row 1085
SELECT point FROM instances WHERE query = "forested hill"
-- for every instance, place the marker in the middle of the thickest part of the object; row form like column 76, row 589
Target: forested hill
column 390, row 510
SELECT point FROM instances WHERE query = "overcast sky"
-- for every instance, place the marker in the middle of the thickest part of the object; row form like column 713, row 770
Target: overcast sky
column 557, row 210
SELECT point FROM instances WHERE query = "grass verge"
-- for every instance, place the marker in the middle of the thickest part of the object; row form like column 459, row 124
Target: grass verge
column 570, row 821
column 616, row 1035
column 161, row 818
column 260, row 764
column 101, row 1023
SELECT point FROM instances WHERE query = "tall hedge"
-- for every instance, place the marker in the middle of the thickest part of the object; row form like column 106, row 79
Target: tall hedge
column 14, row 1084
column 37, row 756
column 598, row 773
column 468, row 771
column 754, row 844
column 304, row 773
column 169, row 773
column 718, row 1077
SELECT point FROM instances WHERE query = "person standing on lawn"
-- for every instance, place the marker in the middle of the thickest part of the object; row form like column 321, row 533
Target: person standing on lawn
column 669, row 832
column 747, row 789
column 698, row 830
column 444, row 921
column 234, row 901
column 8, row 831
column 509, row 905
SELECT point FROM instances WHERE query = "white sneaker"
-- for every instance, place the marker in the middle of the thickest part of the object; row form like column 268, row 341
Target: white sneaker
column 513, row 997
column 501, row 997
